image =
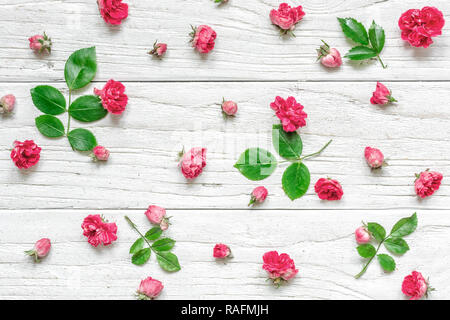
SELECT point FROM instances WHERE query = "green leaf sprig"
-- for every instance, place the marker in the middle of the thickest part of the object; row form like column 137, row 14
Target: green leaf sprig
column 140, row 255
column 371, row 43
column 393, row 242
column 79, row 71
column 257, row 164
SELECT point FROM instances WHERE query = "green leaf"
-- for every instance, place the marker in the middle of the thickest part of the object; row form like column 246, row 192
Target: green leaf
column 50, row 126
column 288, row 144
column 377, row 231
column 154, row 233
column 256, row 164
column 87, row 109
column 137, row 245
column 396, row 245
column 141, row 257
column 80, row 68
column 361, row 53
column 82, row 140
column 386, row 262
column 164, row 244
column 354, row 30
column 295, row 181
column 404, row 227
column 168, row 261
column 377, row 37
column 48, row 99
column 366, row 250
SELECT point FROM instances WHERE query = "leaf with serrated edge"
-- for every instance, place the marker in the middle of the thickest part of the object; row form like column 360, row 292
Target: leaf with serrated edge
column 377, row 37
column 354, row 30
column 386, row 262
column 164, row 244
column 168, row 261
column 82, row 139
column 376, row 230
column 361, row 53
column 154, row 233
column 396, row 245
column 48, row 99
column 295, row 181
column 141, row 257
column 288, row 144
column 87, row 109
column 404, row 226
column 137, row 245
column 50, row 126
column 256, row 164
column 366, row 250
column 80, row 68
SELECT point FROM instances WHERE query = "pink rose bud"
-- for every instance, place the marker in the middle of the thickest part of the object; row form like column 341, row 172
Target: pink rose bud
column 203, row 38
column 259, row 194
column 286, row 17
column 157, row 215
column 427, row 183
column 382, row 95
column 40, row 44
column 415, row 286
column 7, row 103
column 221, row 251
column 100, row 153
column 229, row 107
column 158, row 49
column 40, row 250
column 374, row 157
column 330, row 58
column 149, row 289
column 362, row 235
column 193, row 162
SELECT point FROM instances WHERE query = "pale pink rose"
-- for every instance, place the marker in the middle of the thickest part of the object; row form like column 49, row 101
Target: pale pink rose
column 101, row 153
column 221, row 251
column 329, row 57
column 259, row 194
column 362, row 235
column 7, row 103
column 149, row 289
column 193, row 162
column 203, row 38
column 279, row 267
column 427, row 182
column 382, row 95
column 415, row 286
column 229, row 108
column 374, row 157
column 40, row 250
column 40, row 43
column 155, row 214
column 286, row 17
column 158, row 49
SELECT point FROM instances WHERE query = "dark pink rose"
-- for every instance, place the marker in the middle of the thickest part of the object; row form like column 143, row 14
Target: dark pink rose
column 193, row 162
column 328, row 189
column 415, row 286
column 113, row 96
column 113, row 11
column 229, row 108
column 40, row 250
column 259, row 194
column 101, row 153
column 374, row 157
column 7, row 103
column 25, row 154
column 40, row 43
column 382, row 95
column 149, row 289
column 286, row 17
column 99, row 231
column 279, row 267
column 203, row 38
column 427, row 182
column 221, row 251
column 290, row 112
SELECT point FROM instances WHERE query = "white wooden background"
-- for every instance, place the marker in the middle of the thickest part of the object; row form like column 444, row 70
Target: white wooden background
column 172, row 102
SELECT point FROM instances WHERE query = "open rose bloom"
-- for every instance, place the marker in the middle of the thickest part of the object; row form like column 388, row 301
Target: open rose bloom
column 415, row 286
column 221, row 251
column 427, row 182
column 7, row 103
column 193, row 162
column 419, row 26
column 279, row 267
column 113, row 11
column 40, row 250
column 157, row 215
column 99, row 231
column 113, row 96
column 25, row 154
column 203, row 38
column 286, row 17
column 290, row 112
column 328, row 189
column 382, row 95
column 149, row 289
column 329, row 57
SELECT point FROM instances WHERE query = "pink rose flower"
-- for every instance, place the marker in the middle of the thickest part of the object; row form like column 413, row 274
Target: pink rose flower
column 7, row 103
column 40, row 43
column 415, row 286
column 113, row 11
column 329, row 57
column 158, row 49
column 113, row 96
column 193, row 162
column 203, row 38
column 427, row 182
column 374, row 157
column 382, row 95
column 99, row 231
column 279, row 267
column 418, row 26
column 362, row 235
column 290, row 112
column 40, row 250
column 221, row 251
column 157, row 215
column 25, row 154
column 328, row 189
column 101, row 153
column 286, row 17
column 259, row 194
column 229, row 107
column 149, row 289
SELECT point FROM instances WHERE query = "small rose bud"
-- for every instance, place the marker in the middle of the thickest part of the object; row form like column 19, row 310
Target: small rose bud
column 7, row 103
column 382, row 95
column 259, row 194
column 41, row 44
column 329, row 57
column 158, row 49
column 40, row 250
column 149, row 289
column 229, row 107
column 157, row 215
column 362, row 235
column 221, row 251
column 374, row 157
column 100, row 153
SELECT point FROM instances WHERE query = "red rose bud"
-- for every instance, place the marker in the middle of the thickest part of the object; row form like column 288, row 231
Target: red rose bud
column 330, row 58
column 427, row 183
column 149, row 289
column 382, row 95
column 41, row 43
column 328, row 189
column 415, row 286
column 158, row 49
column 7, row 103
column 25, row 154
column 100, row 153
column 259, row 194
column 229, row 107
column 40, row 250
column 362, row 235
column 374, row 157
column 221, row 251
column 203, row 38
